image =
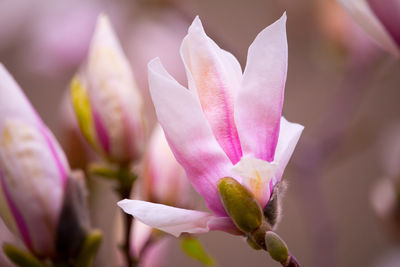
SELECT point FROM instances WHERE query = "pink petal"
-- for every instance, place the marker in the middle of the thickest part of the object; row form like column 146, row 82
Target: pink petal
column 140, row 234
column 224, row 224
column 166, row 218
column 288, row 137
column 188, row 134
column 13, row 102
column 388, row 12
column 215, row 74
column 163, row 178
column 362, row 14
column 259, row 101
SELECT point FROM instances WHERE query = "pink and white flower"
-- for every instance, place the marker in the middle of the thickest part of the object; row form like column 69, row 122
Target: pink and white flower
column 227, row 123
column 33, row 170
column 114, row 121
column 380, row 19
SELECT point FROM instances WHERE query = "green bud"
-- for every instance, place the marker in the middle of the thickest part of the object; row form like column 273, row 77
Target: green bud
column 21, row 258
column 253, row 244
column 240, row 204
column 276, row 247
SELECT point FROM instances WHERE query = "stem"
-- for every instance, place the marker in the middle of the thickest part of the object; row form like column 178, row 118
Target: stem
column 126, row 179
column 292, row 262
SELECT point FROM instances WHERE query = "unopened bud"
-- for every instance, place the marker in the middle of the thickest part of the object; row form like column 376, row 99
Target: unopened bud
column 276, row 247
column 240, row 204
column 73, row 225
column 272, row 210
column 253, row 244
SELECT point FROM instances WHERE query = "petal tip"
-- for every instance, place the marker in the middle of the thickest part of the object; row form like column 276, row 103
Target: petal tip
column 196, row 25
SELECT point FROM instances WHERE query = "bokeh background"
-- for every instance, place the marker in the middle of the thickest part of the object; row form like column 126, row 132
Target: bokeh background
column 341, row 86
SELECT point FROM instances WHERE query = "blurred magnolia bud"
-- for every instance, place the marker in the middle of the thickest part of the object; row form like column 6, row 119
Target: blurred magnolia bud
column 74, row 223
column 163, row 178
column 342, row 34
column 240, row 205
column 385, row 195
column 33, row 171
column 76, row 148
column 380, row 19
column 106, row 99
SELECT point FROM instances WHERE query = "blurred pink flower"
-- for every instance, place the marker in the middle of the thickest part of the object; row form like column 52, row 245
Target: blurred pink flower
column 226, row 124
column 162, row 179
column 380, row 19
column 115, row 106
column 33, row 170
column 151, row 254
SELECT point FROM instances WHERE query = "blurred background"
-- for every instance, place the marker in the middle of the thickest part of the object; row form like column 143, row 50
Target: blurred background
column 341, row 86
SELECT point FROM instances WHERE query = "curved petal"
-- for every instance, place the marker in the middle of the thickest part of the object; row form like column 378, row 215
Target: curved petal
column 256, row 175
column 362, row 14
column 166, row 218
column 163, row 178
column 288, row 137
column 13, row 102
column 215, row 75
column 259, row 101
column 31, row 183
column 224, row 224
column 114, row 97
column 388, row 12
column 188, row 134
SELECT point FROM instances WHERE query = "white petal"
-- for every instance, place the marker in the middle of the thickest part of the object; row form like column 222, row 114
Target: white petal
column 215, row 75
column 259, row 101
column 288, row 136
column 188, row 134
column 166, row 218
column 256, row 176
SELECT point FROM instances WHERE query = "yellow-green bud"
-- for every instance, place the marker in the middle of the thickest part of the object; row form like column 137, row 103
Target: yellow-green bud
column 240, row 204
column 276, row 247
column 253, row 244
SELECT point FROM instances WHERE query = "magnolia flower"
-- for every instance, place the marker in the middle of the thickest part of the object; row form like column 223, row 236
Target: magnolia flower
column 33, row 170
column 106, row 99
column 227, row 124
column 380, row 19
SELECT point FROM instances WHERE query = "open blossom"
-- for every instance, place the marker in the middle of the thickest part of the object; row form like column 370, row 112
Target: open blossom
column 227, row 124
column 33, row 171
column 380, row 19
column 106, row 98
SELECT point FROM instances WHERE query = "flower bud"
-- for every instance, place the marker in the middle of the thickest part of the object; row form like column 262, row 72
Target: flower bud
column 276, row 247
column 73, row 225
column 163, row 178
column 240, row 204
column 106, row 99
column 33, row 171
